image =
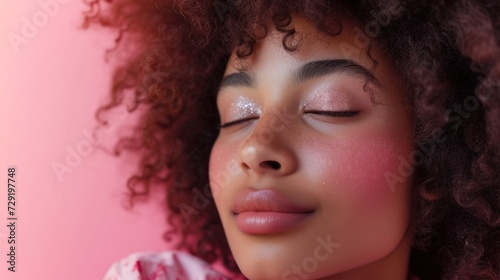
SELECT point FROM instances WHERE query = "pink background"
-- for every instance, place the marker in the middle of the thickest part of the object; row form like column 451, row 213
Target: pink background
column 72, row 228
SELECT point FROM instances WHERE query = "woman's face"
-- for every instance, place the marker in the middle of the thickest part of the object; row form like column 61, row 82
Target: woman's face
column 308, row 184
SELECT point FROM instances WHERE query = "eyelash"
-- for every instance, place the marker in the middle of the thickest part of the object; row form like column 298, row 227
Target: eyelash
column 344, row 114
column 231, row 123
column 336, row 113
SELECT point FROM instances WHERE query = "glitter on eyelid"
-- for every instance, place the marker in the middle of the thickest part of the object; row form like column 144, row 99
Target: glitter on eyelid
column 244, row 107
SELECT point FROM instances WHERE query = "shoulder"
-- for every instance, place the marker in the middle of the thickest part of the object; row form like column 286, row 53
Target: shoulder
column 166, row 265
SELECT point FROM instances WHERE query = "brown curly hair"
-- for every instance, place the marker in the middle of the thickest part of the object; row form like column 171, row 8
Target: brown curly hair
column 447, row 51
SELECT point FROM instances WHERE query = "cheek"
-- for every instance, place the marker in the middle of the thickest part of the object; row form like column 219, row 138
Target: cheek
column 361, row 168
column 222, row 168
column 366, row 163
column 361, row 209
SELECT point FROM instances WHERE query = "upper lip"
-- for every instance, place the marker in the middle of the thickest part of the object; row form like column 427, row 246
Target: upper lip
column 266, row 200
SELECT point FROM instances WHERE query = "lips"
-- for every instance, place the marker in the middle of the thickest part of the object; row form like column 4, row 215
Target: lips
column 267, row 212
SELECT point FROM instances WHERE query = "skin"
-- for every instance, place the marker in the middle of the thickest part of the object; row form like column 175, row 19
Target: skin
column 334, row 164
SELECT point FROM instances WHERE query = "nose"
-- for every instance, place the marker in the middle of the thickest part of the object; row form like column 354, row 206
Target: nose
column 269, row 147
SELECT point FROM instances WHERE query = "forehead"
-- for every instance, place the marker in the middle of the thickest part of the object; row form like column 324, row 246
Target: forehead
column 312, row 44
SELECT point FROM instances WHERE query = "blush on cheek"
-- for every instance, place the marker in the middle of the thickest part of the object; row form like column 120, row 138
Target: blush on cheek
column 222, row 168
column 379, row 157
column 361, row 166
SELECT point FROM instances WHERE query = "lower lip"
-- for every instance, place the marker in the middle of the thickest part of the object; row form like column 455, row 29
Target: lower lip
column 269, row 222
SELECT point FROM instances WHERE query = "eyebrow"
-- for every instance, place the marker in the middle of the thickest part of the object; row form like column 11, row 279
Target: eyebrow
column 321, row 68
column 310, row 70
column 238, row 79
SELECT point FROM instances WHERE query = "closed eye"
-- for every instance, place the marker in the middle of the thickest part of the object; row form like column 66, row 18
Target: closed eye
column 323, row 113
column 231, row 123
column 335, row 113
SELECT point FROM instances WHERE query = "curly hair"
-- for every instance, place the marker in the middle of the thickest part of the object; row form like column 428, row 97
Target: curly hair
column 447, row 51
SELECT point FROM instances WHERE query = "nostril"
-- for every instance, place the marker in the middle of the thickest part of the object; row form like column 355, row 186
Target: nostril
column 271, row 163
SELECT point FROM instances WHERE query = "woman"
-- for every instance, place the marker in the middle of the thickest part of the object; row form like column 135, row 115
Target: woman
column 342, row 139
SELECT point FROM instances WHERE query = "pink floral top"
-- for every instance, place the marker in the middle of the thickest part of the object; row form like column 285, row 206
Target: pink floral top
column 168, row 265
